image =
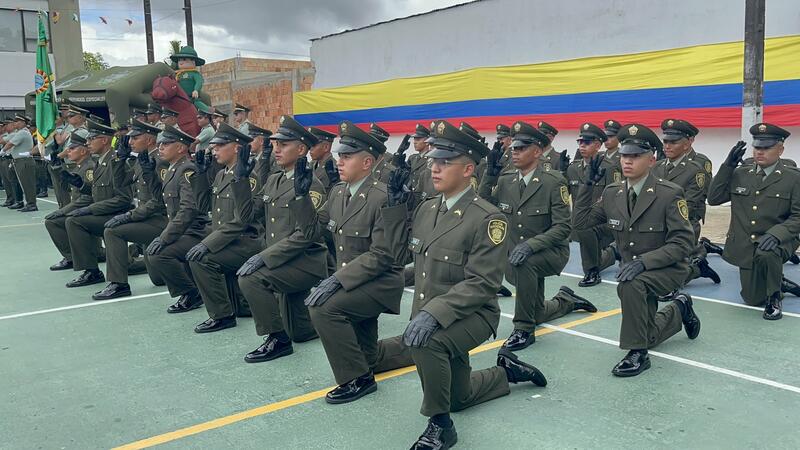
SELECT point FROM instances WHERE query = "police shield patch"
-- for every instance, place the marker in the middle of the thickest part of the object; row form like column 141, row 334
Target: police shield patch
column 707, row 166
column 163, row 173
column 683, row 209
column 565, row 195
column 89, row 175
column 700, row 177
column 188, row 174
column 547, row 166
column 497, row 231
column 253, row 183
column 316, row 198
column 617, row 177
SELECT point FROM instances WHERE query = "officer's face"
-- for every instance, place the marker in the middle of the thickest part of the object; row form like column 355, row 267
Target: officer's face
column 257, row 145
column 636, row 166
column 419, row 144
column 506, row 141
column 74, row 119
column 141, row 143
column 288, row 152
column 238, row 116
column 226, row 153
column 202, row 120
column 217, row 120
column 172, row 151
column 766, row 157
column 78, row 154
column 153, row 118
column 526, row 158
column 354, row 166
column 169, row 120
column 588, row 147
column 451, row 176
column 676, row 149
column 612, row 142
column 319, row 151
column 98, row 144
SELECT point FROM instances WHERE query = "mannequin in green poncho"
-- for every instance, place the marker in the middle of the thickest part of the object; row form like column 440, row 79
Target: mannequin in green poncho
column 187, row 75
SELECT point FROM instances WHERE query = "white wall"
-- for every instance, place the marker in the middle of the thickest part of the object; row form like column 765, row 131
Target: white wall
column 512, row 32
column 17, row 69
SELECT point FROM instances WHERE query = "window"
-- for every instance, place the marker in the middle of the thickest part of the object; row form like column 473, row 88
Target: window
column 10, row 31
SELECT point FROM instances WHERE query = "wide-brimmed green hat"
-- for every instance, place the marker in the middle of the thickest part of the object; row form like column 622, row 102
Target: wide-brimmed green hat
column 188, row 52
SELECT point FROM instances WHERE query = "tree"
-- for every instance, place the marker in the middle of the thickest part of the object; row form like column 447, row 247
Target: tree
column 94, row 62
column 174, row 47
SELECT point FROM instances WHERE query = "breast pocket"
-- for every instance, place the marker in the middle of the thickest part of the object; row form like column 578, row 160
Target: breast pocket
column 778, row 203
column 357, row 238
column 538, row 218
column 447, row 265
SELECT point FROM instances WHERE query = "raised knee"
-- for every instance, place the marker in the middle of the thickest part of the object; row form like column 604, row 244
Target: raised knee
column 765, row 257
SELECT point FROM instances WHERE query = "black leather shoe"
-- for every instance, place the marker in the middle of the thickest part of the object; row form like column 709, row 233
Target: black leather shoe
column 504, row 292
column 87, row 278
column 17, row 205
column 710, row 247
column 691, row 323
column 519, row 340
column 186, row 302
column 211, row 325
column 591, row 279
column 42, row 194
column 519, row 371
column 706, row 271
column 7, row 203
column 774, row 308
column 580, row 302
column 28, row 208
column 794, row 259
column 113, row 290
column 352, row 390
column 790, row 286
column 64, row 264
column 634, row 363
column 272, row 348
column 436, row 437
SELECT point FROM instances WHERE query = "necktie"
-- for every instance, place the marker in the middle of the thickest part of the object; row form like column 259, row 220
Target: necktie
column 442, row 211
column 631, row 199
column 521, row 187
column 347, row 198
column 670, row 166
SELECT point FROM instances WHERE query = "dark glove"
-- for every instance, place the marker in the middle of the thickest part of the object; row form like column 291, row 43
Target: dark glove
column 768, row 243
column 55, row 161
column 596, row 173
column 266, row 149
column 201, row 162
column 493, row 164
column 324, row 291
column 420, row 329
column 520, row 253
column 155, row 247
column 332, row 172
column 303, row 177
column 397, row 187
column 251, row 265
column 735, row 155
column 564, row 163
column 399, row 158
column 629, row 271
column 196, row 252
column 123, row 149
column 72, row 178
column 577, row 155
column 148, row 165
column 85, row 211
column 120, row 219
column 243, row 164
column 54, row 215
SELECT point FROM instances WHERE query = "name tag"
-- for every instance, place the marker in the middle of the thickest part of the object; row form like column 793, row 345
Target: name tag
column 331, row 225
column 505, row 207
column 266, row 198
column 741, row 190
column 574, row 182
column 413, row 241
column 614, row 222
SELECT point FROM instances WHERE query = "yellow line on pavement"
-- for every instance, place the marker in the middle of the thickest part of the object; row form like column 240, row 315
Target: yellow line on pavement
column 315, row 395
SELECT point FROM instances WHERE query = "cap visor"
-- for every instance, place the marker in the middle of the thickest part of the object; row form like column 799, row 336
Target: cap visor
column 442, row 153
column 281, row 136
column 346, row 148
column 764, row 143
column 516, row 143
column 610, row 133
column 135, row 132
column 631, row 149
column 219, row 140
column 418, row 135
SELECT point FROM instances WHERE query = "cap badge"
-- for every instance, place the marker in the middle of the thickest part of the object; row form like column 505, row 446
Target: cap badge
column 586, row 126
column 762, row 128
column 343, row 127
column 517, row 126
column 433, row 124
column 540, row 124
column 670, row 122
column 633, row 130
column 283, row 118
column 440, row 128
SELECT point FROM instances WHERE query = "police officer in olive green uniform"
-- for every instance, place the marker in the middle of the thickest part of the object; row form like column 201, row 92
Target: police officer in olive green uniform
column 383, row 167
column 207, row 130
column 278, row 279
column 82, row 174
column 504, row 142
column 765, row 216
column 9, row 177
column 153, row 112
column 144, row 223
column 367, row 282
column 457, row 241
column 692, row 176
column 234, row 237
column 611, row 128
column 324, row 171
column 240, row 121
column 535, row 202
column 76, row 122
column 551, row 159
column 421, row 182
column 111, row 194
column 596, row 255
column 19, row 144
column 650, row 221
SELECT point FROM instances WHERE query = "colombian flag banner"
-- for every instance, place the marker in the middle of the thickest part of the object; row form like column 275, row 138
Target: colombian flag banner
column 701, row 84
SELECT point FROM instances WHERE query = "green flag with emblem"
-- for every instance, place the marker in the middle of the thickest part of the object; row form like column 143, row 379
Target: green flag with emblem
column 46, row 108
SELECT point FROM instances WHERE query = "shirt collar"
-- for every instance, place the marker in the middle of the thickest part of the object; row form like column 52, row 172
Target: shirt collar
column 678, row 161
column 526, row 178
column 289, row 174
column 638, row 186
column 354, row 187
column 450, row 202
column 768, row 170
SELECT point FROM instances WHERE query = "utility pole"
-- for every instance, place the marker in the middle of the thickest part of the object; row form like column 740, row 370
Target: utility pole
column 148, row 32
column 187, row 9
column 753, row 80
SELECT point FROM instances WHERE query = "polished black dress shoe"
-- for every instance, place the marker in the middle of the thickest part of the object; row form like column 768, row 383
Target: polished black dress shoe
column 436, row 437
column 28, row 208
column 706, row 271
column 794, row 259
column 352, row 390
column 7, row 203
column 790, row 287
column 212, row 325
column 42, row 194
column 113, row 290
column 64, row 264
column 710, row 247
column 504, row 292
column 580, row 302
column 17, row 205
column 591, row 279
column 691, row 323
column 774, row 308
column 519, row 340
column 186, row 302
column 634, row 363
column 518, row 371
column 87, row 278
column 272, row 348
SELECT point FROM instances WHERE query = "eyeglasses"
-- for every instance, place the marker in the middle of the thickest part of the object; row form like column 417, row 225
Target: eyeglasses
column 585, row 141
column 442, row 162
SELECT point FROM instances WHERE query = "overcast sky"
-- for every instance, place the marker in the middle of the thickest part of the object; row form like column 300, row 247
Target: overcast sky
column 222, row 28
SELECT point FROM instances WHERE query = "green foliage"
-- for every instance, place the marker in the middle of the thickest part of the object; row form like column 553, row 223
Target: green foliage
column 94, row 62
